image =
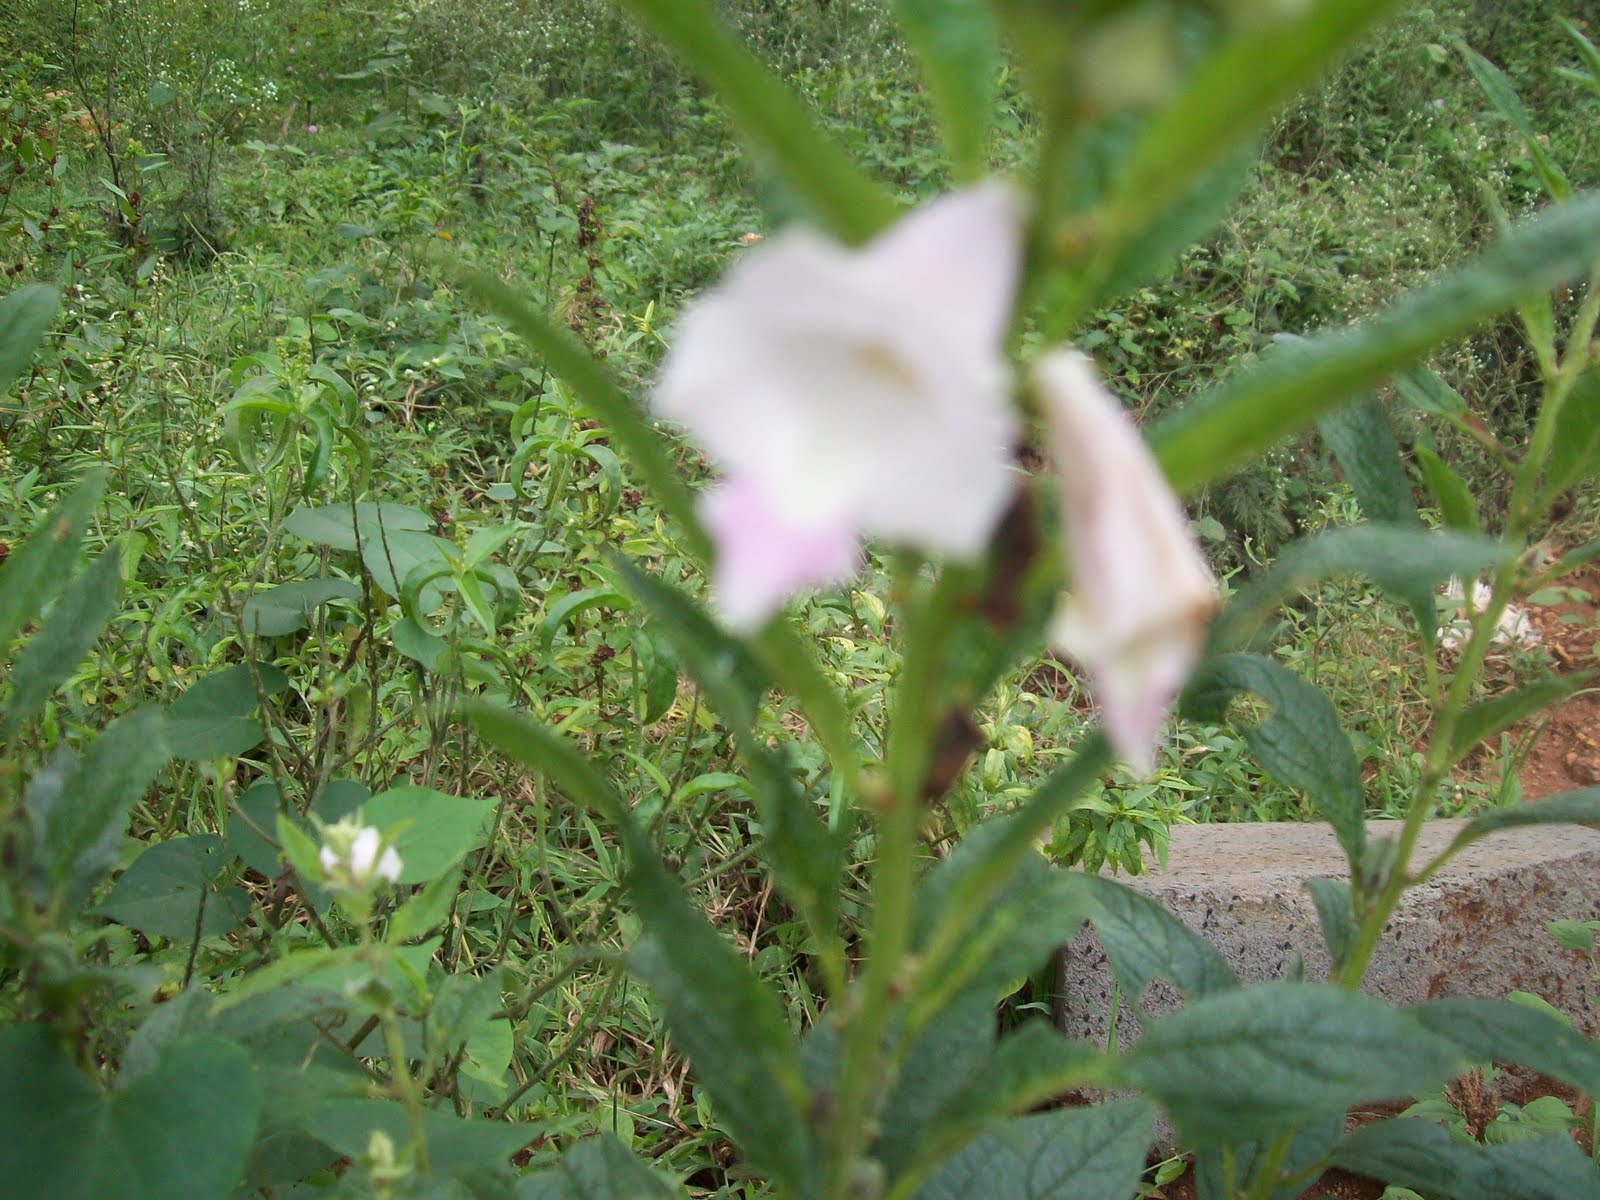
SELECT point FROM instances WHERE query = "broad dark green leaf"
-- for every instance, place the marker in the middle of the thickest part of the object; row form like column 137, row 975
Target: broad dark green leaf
column 1503, row 1031
column 287, row 608
column 1423, row 1155
column 434, row 829
column 164, row 890
column 1581, row 807
column 454, row 1142
column 1287, row 390
column 344, row 526
column 942, row 1059
column 1359, row 436
column 71, row 628
column 1457, row 505
column 1069, row 1154
column 600, row 1168
column 958, row 46
column 1398, row 560
column 1254, row 1062
column 1334, row 914
column 33, row 574
column 731, row 1027
column 771, row 117
column 1488, row 717
column 82, row 830
column 1575, row 449
column 1300, row 743
column 1504, row 97
column 1144, row 942
column 215, row 716
column 181, row 1130
column 390, row 557
column 250, row 828
column 1309, row 1146
column 24, row 316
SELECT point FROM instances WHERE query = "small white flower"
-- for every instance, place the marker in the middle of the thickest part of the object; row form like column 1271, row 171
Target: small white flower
column 1141, row 593
column 355, row 857
column 849, row 393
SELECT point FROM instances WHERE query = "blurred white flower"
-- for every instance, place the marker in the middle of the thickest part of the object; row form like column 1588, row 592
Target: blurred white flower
column 354, row 856
column 849, row 393
column 1141, row 593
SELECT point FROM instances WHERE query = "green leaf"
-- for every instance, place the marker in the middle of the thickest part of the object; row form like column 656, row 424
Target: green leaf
column 1398, row 560
column 72, row 627
column 807, row 859
column 1488, row 717
column 181, row 1130
column 251, row 826
column 1255, row 1062
column 1581, row 807
column 427, row 910
column 392, row 556
column 1145, row 942
column 1423, row 1155
column 1300, row 743
column 1335, row 914
column 288, row 607
column 1359, row 436
column 25, row 314
column 214, row 718
column 454, row 1143
column 771, row 117
column 1030, row 1067
column 1425, row 390
column 82, row 832
column 1504, row 1031
column 33, row 574
column 334, row 524
column 431, row 830
column 1226, row 427
column 164, row 890
column 958, row 46
column 600, row 1168
column 573, row 603
column 1070, row 1154
column 938, row 1062
column 731, row 1027
column 1457, row 505
column 1505, row 100
column 1575, row 449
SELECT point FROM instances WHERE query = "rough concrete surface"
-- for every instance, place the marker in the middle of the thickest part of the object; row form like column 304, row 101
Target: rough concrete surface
column 1475, row 929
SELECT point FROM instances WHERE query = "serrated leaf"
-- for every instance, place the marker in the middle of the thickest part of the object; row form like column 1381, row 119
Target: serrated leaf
column 1580, row 807
column 1335, row 915
column 82, row 831
column 1255, row 1062
column 1575, row 448
column 1504, row 1031
column 1300, row 743
column 180, row 1130
column 1143, row 942
column 71, row 629
column 1423, row 1155
column 163, row 891
column 944, row 1057
column 25, row 314
column 1488, row 717
column 33, row 574
column 1070, row 1154
column 1226, row 427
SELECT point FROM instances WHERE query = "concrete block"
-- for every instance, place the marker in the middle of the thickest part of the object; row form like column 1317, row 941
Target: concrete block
column 1475, row 929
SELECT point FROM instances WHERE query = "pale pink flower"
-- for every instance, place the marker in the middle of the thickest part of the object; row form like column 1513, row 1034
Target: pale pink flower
column 850, row 393
column 1140, row 591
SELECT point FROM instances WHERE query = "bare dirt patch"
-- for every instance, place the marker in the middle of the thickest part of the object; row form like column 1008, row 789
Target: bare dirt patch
column 1566, row 753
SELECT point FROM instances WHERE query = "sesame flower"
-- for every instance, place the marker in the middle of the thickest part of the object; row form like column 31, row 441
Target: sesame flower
column 846, row 394
column 1140, row 591
column 354, row 857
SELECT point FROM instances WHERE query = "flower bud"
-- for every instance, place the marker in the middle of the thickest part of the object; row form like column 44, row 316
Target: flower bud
column 1141, row 592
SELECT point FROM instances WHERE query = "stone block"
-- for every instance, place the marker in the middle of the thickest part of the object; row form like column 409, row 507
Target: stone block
column 1475, row 929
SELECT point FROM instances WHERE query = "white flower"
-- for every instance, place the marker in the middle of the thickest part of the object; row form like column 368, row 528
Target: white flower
column 849, row 393
column 1141, row 593
column 355, row 856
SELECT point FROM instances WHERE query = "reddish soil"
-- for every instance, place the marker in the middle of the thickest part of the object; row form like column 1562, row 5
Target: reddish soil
column 1567, row 752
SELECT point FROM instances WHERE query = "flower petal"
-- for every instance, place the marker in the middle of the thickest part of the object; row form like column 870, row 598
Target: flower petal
column 1141, row 590
column 364, row 852
column 763, row 557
